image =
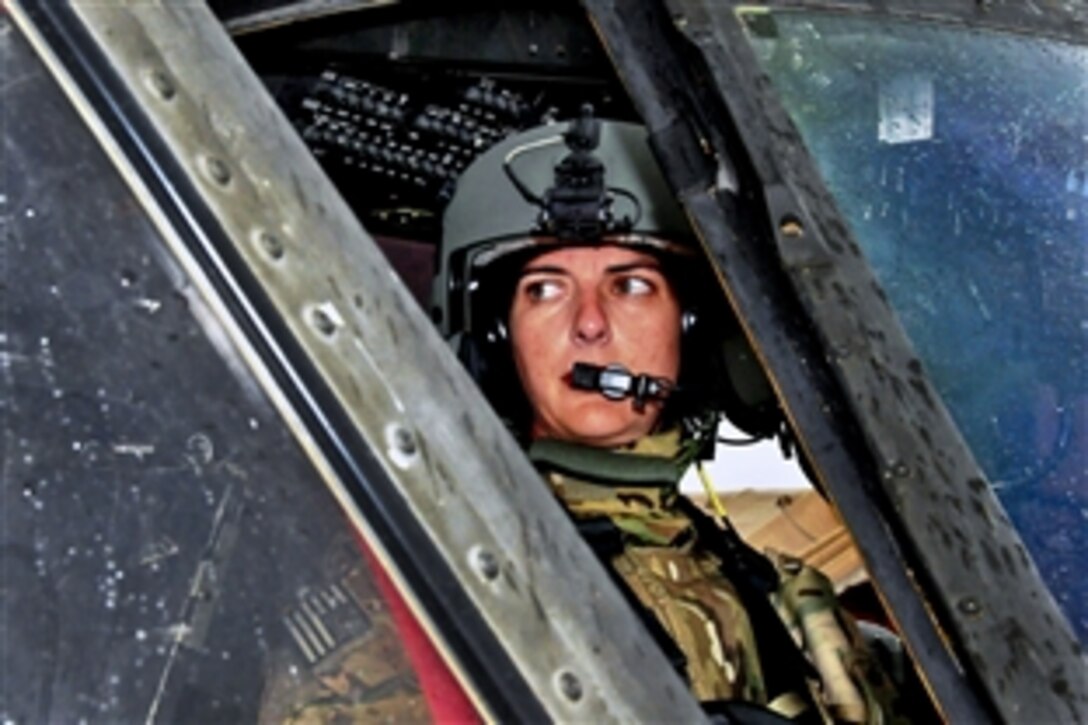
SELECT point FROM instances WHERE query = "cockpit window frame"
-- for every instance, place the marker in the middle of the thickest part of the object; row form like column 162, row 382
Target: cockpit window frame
column 836, row 353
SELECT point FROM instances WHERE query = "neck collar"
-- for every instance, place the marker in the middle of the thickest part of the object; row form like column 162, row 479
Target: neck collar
column 651, row 461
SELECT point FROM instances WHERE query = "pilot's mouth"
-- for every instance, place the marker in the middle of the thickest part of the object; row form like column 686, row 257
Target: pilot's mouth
column 616, row 382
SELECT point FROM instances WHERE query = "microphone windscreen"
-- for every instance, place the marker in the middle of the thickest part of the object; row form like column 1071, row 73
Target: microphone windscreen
column 584, row 376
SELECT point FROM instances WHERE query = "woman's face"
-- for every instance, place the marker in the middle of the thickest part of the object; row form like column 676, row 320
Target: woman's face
column 597, row 305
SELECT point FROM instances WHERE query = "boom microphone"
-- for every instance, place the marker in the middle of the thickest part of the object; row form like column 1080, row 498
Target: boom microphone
column 616, row 382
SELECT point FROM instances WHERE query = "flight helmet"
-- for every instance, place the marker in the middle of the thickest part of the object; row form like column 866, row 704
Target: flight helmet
column 589, row 182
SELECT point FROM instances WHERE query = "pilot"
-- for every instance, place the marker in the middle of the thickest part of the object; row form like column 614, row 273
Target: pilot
column 572, row 288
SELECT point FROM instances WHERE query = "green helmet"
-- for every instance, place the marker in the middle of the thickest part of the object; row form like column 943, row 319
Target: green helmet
column 546, row 187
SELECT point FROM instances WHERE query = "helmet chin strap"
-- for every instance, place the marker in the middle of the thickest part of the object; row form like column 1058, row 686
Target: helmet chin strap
column 616, row 382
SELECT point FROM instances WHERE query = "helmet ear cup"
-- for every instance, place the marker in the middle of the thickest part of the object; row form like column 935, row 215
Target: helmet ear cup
column 496, row 331
column 688, row 320
column 487, row 356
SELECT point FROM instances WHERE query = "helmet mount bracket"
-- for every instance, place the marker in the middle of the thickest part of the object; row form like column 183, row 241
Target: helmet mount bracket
column 578, row 207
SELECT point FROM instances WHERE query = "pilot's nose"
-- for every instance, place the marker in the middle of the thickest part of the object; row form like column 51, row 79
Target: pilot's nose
column 590, row 322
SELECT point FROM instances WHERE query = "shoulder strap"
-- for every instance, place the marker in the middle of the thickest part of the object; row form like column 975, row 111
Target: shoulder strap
column 606, row 540
column 754, row 577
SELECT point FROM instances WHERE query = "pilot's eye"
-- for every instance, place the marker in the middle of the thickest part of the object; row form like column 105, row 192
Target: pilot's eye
column 631, row 285
column 539, row 290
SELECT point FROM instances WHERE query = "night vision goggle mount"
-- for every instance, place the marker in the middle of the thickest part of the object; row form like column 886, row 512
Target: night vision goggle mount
column 578, row 207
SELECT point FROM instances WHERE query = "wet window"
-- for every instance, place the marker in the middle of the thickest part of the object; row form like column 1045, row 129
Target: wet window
column 960, row 160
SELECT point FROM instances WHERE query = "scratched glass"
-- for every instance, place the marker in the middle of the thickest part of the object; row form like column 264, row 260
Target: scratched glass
column 960, row 161
column 167, row 551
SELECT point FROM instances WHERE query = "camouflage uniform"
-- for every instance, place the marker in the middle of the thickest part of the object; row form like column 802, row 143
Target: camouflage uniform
column 853, row 685
column 710, row 599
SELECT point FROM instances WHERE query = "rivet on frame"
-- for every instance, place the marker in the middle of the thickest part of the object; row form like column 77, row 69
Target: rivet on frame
column 216, row 169
column 969, row 606
column 321, row 321
column 403, row 440
column 569, row 686
column 161, row 83
column 896, row 469
column 401, row 445
column 484, row 563
column 269, row 244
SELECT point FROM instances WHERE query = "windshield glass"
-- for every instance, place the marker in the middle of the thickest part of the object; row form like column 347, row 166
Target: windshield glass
column 168, row 551
column 959, row 159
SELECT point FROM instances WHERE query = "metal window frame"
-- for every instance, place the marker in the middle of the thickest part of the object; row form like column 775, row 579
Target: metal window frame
column 990, row 641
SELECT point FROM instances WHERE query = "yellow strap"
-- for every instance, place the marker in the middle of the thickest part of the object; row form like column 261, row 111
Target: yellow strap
column 711, row 494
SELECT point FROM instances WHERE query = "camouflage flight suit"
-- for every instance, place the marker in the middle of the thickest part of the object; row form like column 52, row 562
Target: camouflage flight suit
column 666, row 559
column 853, row 686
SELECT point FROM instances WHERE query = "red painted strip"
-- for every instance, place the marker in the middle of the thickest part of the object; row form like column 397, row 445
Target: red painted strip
column 445, row 698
